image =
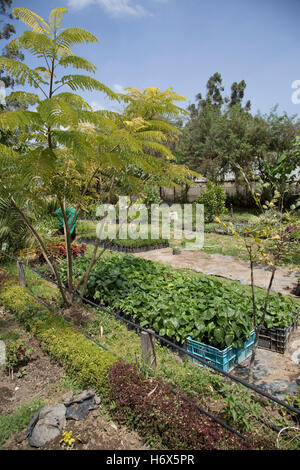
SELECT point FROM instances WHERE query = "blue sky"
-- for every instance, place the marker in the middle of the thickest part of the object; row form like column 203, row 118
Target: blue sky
column 181, row 43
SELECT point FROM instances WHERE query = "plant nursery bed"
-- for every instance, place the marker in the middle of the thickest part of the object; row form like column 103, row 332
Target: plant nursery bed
column 226, row 359
column 125, row 249
column 276, row 339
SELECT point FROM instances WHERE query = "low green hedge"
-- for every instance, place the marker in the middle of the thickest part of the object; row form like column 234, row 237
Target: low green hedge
column 82, row 359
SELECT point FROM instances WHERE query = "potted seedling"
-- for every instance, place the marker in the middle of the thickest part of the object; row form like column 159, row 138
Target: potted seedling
column 177, row 247
column 297, row 291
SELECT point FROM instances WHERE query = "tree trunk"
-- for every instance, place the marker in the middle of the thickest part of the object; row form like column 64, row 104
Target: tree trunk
column 258, row 328
column 51, row 264
column 68, row 245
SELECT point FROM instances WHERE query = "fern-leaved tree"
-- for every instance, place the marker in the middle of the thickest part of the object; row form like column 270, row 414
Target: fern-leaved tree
column 70, row 144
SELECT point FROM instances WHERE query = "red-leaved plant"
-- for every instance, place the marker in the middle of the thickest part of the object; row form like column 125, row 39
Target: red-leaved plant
column 154, row 410
column 58, row 250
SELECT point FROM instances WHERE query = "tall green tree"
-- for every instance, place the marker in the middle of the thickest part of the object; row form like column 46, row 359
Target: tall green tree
column 72, row 144
column 222, row 135
column 6, row 32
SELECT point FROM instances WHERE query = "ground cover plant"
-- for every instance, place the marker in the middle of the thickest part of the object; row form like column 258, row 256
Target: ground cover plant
column 177, row 305
column 157, row 411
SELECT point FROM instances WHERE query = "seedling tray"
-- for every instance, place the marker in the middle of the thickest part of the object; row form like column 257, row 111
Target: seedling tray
column 276, row 339
column 225, row 359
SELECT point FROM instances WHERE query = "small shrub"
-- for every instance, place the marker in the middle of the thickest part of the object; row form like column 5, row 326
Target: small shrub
column 213, row 200
column 240, row 409
column 58, row 250
column 17, row 354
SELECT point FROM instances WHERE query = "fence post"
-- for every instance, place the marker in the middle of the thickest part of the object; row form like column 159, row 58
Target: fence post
column 21, row 273
column 148, row 350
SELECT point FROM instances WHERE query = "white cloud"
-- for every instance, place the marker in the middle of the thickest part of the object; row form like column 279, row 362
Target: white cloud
column 96, row 106
column 118, row 88
column 114, row 7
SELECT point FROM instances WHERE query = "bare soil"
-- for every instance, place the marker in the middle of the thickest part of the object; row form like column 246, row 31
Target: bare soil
column 95, row 432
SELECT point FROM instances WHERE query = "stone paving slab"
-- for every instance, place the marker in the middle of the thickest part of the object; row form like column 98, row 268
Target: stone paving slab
column 278, row 374
column 225, row 266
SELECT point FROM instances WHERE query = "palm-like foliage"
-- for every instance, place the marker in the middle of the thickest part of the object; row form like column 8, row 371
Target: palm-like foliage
column 13, row 231
column 69, row 143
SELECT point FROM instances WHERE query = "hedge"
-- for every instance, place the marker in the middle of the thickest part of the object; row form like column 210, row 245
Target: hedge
column 82, row 359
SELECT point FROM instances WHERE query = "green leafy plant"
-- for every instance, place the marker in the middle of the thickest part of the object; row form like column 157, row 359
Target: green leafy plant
column 17, row 353
column 22, row 372
column 240, row 409
column 213, row 200
column 179, row 305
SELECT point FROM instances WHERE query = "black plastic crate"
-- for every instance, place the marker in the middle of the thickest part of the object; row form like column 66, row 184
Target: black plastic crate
column 276, row 339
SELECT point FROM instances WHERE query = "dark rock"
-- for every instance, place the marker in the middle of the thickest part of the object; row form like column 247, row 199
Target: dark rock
column 47, row 424
column 80, row 397
column 78, row 407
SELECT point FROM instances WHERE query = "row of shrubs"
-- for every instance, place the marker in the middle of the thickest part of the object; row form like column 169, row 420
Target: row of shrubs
column 173, row 423
column 82, row 359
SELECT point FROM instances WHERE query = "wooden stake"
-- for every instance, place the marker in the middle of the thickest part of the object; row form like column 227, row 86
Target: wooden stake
column 21, row 274
column 148, row 350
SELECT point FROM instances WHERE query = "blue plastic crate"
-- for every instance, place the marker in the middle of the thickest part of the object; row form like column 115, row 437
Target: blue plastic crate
column 222, row 359
column 246, row 351
column 225, row 359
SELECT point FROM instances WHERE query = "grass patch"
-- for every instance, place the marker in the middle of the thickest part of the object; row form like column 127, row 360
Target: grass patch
column 17, row 421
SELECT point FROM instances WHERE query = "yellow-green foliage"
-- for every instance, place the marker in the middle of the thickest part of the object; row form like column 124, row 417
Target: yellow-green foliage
column 81, row 358
column 14, row 298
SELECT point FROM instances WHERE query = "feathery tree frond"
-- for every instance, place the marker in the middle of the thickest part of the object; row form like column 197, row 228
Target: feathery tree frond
column 7, row 154
column 23, row 97
column 56, row 112
column 84, row 82
column 77, row 63
column 31, row 19
column 38, row 44
column 12, row 120
column 56, row 16
column 21, row 72
column 152, row 102
column 73, row 36
column 74, row 100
